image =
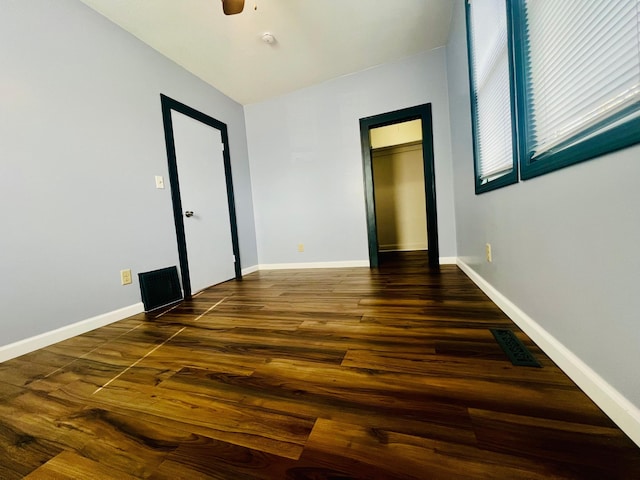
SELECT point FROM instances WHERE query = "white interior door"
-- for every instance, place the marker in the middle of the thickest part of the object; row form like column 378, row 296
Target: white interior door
column 203, row 191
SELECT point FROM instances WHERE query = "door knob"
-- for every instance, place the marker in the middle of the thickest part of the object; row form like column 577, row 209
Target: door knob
column 188, row 213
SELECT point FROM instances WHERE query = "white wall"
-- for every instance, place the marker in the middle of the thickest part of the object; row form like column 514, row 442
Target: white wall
column 82, row 138
column 306, row 160
column 564, row 244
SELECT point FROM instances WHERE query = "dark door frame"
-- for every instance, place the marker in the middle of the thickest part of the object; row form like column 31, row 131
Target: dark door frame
column 169, row 104
column 422, row 112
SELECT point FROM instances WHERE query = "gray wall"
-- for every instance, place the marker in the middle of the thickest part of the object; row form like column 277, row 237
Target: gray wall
column 81, row 137
column 306, row 160
column 563, row 244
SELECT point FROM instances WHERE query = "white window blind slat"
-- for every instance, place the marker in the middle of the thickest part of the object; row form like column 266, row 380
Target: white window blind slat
column 584, row 66
column 595, row 93
column 573, row 64
column 577, row 71
column 492, row 88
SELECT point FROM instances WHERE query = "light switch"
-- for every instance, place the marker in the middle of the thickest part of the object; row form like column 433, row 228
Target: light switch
column 159, row 181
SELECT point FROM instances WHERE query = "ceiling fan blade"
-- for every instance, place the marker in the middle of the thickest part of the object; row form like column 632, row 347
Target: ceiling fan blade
column 231, row 7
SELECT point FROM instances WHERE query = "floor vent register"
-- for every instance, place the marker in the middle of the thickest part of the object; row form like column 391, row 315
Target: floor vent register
column 514, row 348
column 160, row 288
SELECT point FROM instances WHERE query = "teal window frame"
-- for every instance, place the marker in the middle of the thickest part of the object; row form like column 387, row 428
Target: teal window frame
column 512, row 176
column 589, row 143
column 585, row 144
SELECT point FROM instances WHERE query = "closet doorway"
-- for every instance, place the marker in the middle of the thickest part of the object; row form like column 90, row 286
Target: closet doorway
column 397, row 150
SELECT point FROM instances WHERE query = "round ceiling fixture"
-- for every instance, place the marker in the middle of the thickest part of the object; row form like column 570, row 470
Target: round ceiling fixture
column 268, row 38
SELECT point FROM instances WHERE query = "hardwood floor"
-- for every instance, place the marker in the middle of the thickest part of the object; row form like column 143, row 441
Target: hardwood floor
column 306, row 374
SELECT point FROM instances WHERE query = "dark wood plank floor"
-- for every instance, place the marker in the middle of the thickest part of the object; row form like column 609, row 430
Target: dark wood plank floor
column 306, row 374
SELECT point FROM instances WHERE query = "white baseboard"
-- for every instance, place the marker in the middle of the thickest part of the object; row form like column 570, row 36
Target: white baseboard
column 21, row 347
column 623, row 412
column 288, row 266
column 248, row 270
column 345, row 264
column 448, row 260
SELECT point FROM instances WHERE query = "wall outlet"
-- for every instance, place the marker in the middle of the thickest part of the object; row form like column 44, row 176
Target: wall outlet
column 125, row 277
column 487, row 251
column 301, row 247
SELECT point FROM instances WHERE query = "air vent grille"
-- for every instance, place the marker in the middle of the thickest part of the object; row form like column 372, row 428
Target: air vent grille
column 514, row 348
column 159, row 288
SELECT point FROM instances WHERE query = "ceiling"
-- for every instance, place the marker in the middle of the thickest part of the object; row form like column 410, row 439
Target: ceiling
column 316, row 40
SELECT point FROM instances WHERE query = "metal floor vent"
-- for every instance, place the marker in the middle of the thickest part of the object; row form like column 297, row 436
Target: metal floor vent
column 159, row 288
column 514, row 348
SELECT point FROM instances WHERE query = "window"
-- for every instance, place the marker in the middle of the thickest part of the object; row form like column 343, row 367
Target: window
column 574, row 88
column 492, row 109
column 577, row 78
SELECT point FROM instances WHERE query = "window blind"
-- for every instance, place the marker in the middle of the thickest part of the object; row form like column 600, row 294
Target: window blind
column 490, row 64
column 583, row 68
